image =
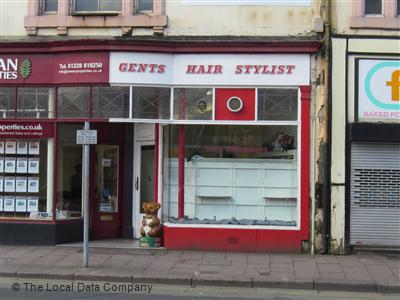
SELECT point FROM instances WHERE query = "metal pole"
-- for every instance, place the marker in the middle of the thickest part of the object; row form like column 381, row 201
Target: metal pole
column 85, row 195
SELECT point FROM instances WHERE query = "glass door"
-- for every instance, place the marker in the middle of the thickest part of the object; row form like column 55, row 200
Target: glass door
column 106, row 191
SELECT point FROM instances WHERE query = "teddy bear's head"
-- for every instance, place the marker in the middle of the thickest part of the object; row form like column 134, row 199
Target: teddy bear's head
column 151, row 208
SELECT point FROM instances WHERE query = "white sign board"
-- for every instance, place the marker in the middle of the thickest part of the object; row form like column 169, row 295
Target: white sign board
column 141, row 68
column 379, row 90
column 86, row 137
column 210, row 69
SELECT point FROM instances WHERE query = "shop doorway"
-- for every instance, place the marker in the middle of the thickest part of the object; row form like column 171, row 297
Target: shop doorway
column 106, row 189
column 143, row 173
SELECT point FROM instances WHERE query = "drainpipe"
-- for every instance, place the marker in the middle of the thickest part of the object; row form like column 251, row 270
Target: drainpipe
column 326, row 200
column 327, row 146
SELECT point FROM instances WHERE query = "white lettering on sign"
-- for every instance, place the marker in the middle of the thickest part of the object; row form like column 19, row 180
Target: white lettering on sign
column 80, row 67
column 86, row 137
column 8, row 68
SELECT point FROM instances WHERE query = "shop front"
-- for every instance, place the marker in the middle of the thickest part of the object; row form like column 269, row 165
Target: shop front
column 228, row 158
column 44, row 100
column 374, row 140
column 220, row 140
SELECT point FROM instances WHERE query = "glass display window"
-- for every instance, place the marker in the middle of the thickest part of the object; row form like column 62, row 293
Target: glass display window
column 151, row 103
column 277, row 104
column 25, row 185
column 73, row 102
column 233, row 175
column 193, row 104
column 35, row 102
column 69, row 173
column 110, row 102
column 7, row 105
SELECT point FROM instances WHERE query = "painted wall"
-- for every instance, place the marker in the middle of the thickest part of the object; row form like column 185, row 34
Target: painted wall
column 12, row 15
column 266, row 20
column 192, row 20
column 342, row 11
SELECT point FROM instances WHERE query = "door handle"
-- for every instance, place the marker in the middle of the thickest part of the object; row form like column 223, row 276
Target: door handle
column 137, row 183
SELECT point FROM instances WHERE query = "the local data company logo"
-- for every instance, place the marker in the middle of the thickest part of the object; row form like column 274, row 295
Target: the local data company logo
column 379, row 89
column 14, row 68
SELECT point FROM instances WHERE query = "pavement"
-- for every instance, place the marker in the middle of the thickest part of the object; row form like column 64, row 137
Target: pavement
column 365, row 272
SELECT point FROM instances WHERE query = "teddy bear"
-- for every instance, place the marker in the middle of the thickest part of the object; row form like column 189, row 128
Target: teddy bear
column 150, row 223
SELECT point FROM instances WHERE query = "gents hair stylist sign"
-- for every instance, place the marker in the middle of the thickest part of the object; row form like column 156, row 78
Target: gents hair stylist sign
column 210, row 69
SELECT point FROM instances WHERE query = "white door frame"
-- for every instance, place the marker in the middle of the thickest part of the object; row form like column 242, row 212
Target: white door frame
column 143, row 136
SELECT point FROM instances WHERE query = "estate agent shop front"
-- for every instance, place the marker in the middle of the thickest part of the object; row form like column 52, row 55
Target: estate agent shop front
column 221, row 140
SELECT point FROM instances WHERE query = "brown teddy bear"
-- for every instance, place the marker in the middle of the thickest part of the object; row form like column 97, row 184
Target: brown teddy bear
column 150, row 223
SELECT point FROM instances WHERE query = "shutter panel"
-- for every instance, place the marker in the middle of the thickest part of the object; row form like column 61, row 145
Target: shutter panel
column 375, row 194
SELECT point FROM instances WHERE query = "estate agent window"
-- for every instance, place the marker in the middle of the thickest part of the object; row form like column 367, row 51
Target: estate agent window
column 25, row 179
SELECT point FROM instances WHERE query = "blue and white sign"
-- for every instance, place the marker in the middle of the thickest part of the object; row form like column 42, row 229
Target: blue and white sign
column 379, row 90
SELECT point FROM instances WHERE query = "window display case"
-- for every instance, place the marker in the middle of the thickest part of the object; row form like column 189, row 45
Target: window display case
column 26, row 188
column 235, row 175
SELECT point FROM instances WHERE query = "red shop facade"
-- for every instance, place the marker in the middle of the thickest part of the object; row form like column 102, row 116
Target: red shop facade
column 220, row 139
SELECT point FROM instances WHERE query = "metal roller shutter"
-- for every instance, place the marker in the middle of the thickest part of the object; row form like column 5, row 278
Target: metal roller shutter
column 375, row 194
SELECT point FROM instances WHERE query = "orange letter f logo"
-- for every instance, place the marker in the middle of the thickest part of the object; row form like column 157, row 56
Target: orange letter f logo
column 395, row 84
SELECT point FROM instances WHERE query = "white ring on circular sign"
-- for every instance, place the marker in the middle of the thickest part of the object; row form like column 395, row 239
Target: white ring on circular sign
column 234, row 104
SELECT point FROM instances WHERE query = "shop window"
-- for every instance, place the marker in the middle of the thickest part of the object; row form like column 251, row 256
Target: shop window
column 49, row 6
column 237, row 175
column 69, row 172
column 277, row 104
column 110, row 102
column 143, row 6
column 36, row 103
column 151, row 103
column 193, row 103
column 7, row 102
column 373, row 7
column 97, row 6
column 25, row 187
column 107, row 178
column 73, row 102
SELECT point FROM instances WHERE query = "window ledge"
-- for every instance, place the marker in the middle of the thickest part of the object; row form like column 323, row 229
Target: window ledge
column 93, row 21
column 375, row 23
column 96, row 13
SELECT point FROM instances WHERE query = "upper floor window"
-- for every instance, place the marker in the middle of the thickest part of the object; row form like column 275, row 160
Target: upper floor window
column 64, row 15
column 95, row 6
column 375, row 14
column 373, row 7
column 49, row 6
column 144, row 6
column 398, row 7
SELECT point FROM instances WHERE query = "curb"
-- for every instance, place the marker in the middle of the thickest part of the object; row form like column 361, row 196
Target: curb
column 293, row 284
column 388, row 288
column 345, row 285
column 312, row 284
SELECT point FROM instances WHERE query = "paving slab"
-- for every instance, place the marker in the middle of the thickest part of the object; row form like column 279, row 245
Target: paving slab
column 364, row 273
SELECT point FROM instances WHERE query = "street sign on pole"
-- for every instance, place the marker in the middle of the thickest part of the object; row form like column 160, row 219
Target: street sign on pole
column 86, row 137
